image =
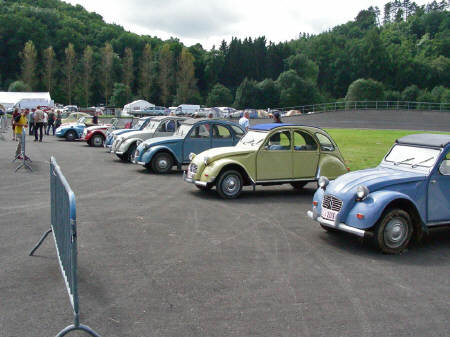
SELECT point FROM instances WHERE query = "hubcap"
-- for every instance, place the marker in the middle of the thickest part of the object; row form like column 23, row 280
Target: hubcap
column 395, row 233
column 231, row 185
column 163, row 163
column 97, row 141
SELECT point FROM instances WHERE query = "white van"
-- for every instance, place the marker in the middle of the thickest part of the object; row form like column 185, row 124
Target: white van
column 186, row 109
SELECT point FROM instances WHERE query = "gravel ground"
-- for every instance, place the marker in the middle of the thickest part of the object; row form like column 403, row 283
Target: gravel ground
column 157, row 257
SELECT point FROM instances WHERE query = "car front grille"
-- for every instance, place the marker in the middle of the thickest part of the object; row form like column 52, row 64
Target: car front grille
column 332, row 203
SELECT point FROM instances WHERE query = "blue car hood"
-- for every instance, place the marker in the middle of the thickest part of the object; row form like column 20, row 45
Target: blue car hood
column 374, row 179
column 162, row 140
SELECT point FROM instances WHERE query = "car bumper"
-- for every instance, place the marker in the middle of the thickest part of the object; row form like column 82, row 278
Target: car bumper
column 339, row 226
column 192, row 181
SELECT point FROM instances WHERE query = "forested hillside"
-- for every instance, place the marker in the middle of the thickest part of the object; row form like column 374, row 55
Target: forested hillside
column 399, row 52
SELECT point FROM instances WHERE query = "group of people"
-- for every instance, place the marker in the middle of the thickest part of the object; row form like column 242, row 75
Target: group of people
column 245, row 119
column 39, row 121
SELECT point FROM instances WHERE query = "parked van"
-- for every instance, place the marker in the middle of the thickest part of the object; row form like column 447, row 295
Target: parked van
column 186, row 109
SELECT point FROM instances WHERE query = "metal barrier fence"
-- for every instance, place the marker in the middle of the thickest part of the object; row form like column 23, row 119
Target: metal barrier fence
column 369, row 105
column 22, row 155
column 3, row 123
column 64, row 228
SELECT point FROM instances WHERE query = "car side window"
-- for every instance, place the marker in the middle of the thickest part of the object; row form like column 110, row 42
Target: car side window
column 304, row 142
column 238, row 133
column 444, row 168
column 279, row 141
column 325, row 142
column 221, row 132
column 200, row 131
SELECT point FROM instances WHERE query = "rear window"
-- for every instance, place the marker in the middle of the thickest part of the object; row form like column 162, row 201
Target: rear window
column 325, row 143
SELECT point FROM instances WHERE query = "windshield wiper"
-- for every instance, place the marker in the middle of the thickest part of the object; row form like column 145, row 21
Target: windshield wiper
column 403, row 161
column 421, row 162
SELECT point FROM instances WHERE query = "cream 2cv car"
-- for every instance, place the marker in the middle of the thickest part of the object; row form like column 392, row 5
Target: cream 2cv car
column 269, row 154
column 125, row 145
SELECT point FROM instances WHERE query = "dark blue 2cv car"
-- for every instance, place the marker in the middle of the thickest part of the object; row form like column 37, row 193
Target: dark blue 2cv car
column 193, row 136
column 406, row 195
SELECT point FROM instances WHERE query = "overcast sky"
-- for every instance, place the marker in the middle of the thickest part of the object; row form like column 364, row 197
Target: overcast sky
column 210, row 21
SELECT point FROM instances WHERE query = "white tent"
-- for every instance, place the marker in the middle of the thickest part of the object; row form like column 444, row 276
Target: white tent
column 9, row 99
column 136, row 106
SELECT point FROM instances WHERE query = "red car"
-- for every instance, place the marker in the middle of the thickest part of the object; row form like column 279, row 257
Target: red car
column 95, row 135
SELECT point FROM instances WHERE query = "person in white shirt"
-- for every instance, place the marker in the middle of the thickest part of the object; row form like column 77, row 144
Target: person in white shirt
column 244, row 122
column 45, row 122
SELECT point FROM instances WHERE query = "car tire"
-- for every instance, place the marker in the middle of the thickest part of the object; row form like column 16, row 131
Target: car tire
column 394, row 231
column 71, row 135
column 129, row 155
column 97, row 140
column 229, row 184
column 162, row 162
column 120, row 156
column 298, row 185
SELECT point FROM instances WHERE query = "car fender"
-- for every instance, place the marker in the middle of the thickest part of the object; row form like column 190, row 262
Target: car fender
column 212, row 171
column 330, row 166
column 127, row 143
column 151, row 152
column 373, row 207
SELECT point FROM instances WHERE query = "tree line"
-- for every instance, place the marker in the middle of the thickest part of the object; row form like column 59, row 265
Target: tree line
column 400, row 54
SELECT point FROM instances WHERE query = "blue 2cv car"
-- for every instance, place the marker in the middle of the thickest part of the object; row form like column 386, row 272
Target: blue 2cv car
column 193, row 136
column 405, row 196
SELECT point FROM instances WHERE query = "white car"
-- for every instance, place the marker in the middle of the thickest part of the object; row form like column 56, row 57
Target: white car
column 125, row 145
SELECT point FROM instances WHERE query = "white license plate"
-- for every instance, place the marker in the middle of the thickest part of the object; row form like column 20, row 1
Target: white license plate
column 329, row 214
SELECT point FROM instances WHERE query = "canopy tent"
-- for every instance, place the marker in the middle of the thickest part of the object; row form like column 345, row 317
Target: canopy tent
column 137, row 105
column 9, row 99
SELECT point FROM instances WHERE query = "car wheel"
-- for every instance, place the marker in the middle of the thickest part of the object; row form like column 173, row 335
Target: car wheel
column 298, row 185
column 71, row 135
column 229, row 184
column 97, row 140
column 162, row 163
column 120, row 156
column 394, row 231
column 130, row 152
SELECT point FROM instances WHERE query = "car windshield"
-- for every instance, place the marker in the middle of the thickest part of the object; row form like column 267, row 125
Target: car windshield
column 183, row 130
column 139, row 124
column 152, row 125
column 253, row 138
column 412, row 155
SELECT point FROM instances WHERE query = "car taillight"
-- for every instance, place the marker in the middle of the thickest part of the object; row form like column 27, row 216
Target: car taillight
column 360, row 216
column 348, row 169
column 315, row 203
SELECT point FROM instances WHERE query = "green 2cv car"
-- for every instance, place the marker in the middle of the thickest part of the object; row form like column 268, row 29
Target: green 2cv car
column 269, row 154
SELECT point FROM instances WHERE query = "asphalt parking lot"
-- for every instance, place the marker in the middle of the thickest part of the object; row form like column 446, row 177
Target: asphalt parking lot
column 157, row 257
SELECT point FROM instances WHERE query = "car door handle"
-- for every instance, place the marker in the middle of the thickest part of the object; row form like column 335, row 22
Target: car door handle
column 433, row 181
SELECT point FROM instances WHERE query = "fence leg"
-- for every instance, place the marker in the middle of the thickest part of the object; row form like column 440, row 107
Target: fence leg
column 79, row 327
column 40, row 241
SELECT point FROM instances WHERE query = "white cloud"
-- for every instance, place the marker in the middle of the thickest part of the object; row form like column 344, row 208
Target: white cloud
column 209, row 22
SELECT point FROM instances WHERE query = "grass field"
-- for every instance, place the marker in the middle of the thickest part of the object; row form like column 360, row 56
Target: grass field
column 363, row 148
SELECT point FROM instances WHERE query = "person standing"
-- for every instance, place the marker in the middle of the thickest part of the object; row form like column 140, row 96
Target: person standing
column 13, row 123
column 244, row 122
column 22, row 123
column 58, row 119
column 45, row 122
column 31, row 121
column 95, row 118
column 38, row 124
column 51, row 122
column 277, row 117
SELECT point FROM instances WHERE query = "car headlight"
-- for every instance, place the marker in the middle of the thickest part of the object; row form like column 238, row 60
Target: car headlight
column 205, row 160
column 191, row 156
column 323, row 182
column 362, row 192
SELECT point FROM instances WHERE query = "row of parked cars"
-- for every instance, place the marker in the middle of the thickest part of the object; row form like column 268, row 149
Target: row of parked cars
column 402, row 198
